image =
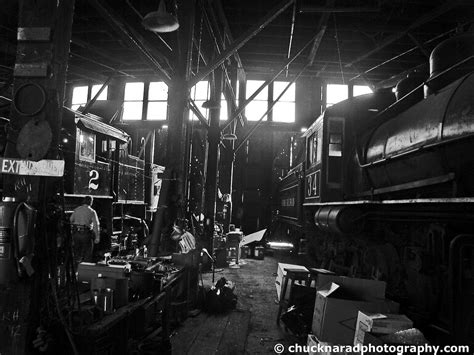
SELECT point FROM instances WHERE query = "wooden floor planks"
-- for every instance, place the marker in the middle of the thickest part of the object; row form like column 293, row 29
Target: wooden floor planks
column 213, row 334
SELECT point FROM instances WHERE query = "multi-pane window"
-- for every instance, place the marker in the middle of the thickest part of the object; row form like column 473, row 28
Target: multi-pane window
column 336, row 93
column 133, row 101
column 361, row 90
column 259, row 105
column 157, row 101
column 82, row 94
column 284, row 109
column 145, row 101
column 200, row 93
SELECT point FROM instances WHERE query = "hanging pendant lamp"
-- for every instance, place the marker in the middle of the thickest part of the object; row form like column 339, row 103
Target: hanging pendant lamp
column 160, row 21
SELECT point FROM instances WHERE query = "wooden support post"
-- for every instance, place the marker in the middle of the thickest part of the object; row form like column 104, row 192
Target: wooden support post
column 44, row 33
column 213, row 137
column 173, row 194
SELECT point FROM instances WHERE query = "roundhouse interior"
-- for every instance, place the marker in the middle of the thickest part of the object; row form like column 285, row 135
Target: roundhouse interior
column 267, row 176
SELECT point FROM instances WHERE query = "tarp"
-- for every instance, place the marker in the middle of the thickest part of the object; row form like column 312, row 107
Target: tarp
column 254, row 237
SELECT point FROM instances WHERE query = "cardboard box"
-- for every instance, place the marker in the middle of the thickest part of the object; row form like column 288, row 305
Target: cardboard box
column 379, row 323
column 337, row 306
column 313, row 342
column 280, row 279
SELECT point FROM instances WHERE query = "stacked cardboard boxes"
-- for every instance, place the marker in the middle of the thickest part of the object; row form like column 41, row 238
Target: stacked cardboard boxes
column 338, row 303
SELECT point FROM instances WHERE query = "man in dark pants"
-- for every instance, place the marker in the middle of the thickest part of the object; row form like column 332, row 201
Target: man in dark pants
column 85, row 231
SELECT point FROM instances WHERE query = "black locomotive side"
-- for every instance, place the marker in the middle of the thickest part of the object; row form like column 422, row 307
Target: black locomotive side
column 98, row 163
column 389, row 194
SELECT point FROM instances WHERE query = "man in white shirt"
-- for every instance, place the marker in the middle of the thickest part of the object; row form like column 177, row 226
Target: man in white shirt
column 85, row 230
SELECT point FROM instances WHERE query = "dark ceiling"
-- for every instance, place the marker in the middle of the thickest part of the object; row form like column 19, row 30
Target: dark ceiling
column 373, row 41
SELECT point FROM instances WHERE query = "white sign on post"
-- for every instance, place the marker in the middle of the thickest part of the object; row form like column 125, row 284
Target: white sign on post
column 35, row 168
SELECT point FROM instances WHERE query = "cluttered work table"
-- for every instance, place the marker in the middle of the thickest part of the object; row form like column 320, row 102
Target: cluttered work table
column 124, row 302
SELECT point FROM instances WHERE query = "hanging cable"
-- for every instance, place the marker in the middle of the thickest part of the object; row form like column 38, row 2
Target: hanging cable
column 338, row 50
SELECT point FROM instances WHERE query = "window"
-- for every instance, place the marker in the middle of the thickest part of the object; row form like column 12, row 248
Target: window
column 361, row 90
column 335, row 145
column 200, row 93
column 86, row 146
column 259, row 105
column 284, row 109
column 223, row 115
column 82, row 94
column 336, row 93
column 133, row 101
column 79, row 96
column 157, row 101
column 315, row 147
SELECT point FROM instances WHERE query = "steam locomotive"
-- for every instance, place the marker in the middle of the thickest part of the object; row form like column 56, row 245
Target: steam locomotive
column 97, row 162
column 386, row 191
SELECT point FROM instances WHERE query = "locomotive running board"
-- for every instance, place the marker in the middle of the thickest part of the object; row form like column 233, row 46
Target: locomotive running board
column 454, row 200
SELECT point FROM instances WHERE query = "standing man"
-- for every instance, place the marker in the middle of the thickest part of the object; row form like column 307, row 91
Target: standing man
column 85, row 230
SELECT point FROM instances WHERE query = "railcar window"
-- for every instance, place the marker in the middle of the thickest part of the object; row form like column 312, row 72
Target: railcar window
column 87, row 142
column 335, row 145
column 315, row 148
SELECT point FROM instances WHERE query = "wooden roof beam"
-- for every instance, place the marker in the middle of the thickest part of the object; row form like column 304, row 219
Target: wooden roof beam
column 133, row 38
column 440, row 10
column 237, row 44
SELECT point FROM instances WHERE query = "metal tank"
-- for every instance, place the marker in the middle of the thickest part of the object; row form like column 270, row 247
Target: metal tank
column 429, row 143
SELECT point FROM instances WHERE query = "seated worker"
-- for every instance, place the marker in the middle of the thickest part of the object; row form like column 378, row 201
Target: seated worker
column 186, row 240
column 85, row 231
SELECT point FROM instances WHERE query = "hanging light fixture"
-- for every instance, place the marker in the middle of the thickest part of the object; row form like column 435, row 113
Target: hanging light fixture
column 160, row 21
column 211, row 104
column 229, row 137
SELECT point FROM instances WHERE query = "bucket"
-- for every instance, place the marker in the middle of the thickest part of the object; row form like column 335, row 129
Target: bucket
column 259, row 253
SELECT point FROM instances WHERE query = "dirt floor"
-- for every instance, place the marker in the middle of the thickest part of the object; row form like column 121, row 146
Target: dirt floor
column 251, row 328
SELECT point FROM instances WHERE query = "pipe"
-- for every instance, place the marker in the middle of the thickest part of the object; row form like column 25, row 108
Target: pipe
column 325, row 9
column 292, row 29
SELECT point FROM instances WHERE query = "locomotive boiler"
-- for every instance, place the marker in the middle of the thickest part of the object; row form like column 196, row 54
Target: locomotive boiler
column 386, row 191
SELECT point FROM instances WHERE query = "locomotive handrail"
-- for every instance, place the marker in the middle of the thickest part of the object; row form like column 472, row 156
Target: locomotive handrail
column 397, row 103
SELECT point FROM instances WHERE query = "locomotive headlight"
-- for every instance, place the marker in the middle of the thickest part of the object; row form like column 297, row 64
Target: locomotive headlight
column 280, row 245
column 65, row 140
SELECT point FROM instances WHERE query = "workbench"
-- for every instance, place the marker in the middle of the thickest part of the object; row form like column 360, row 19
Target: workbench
column 134, row 321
